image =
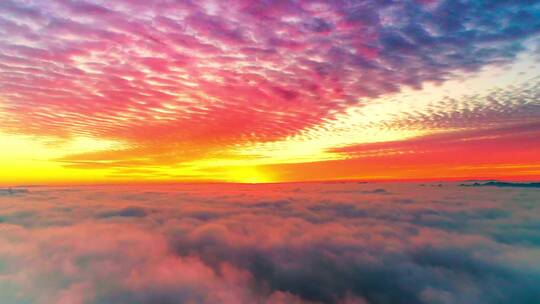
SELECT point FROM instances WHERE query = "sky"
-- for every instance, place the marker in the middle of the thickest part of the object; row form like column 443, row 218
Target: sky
column 283, row 243
column 268, row 91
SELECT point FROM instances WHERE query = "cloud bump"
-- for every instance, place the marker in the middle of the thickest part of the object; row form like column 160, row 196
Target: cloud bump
column 281, row 243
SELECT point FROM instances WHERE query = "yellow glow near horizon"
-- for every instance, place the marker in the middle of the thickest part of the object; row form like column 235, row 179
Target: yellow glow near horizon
column 33, row 159
column 27, row 159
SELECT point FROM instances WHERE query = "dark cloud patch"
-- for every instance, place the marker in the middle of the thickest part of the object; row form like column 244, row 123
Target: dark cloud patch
column 319, row 25
column 26, row 218
column 376, row 191
column 12, row 191
column 154, row 295
column 204, row 215
column 124, row 212
column 271, row 204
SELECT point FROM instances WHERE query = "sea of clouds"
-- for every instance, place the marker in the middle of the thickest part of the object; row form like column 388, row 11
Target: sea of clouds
column 346, row 243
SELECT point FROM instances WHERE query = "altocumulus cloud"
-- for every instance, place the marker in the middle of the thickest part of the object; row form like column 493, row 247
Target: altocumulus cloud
column 301, row 243
column 124, row 61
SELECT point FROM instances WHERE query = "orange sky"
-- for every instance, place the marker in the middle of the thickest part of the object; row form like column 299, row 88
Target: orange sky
column 249, row 92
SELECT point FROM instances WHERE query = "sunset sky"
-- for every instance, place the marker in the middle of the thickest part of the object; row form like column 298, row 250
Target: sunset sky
column 100, row 91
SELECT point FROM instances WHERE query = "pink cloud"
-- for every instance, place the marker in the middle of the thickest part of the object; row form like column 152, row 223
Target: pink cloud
column 223, row 73
column 299, row 243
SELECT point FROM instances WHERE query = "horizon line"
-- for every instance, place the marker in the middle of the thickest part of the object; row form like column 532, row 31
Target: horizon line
column 195, row 182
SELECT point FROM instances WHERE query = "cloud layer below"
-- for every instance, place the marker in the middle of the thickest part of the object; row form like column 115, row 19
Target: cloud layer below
column 347, row 243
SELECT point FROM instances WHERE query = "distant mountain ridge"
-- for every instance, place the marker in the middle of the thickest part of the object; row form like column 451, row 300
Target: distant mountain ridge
column 503, row 185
